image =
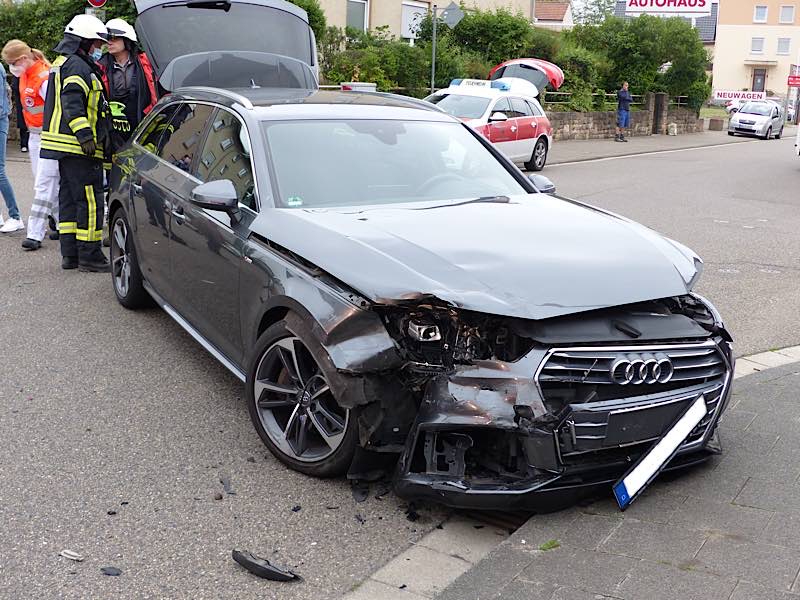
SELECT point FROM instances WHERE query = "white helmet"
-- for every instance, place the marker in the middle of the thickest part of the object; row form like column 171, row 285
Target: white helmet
column 120, row 28
column 87, row 27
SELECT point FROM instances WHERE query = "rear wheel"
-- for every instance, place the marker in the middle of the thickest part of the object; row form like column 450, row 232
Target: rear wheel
column 538, row 157
column 125, row 272
column 779, row 134
column 293, row 407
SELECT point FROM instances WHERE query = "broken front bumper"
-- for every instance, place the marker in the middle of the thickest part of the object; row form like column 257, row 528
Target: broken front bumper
column 484, row 439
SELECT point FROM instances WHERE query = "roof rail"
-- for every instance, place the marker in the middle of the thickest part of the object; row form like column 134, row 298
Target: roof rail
column 243, row 100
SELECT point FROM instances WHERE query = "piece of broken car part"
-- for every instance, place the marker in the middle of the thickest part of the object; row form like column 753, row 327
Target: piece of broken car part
column 111, row 571
column 263, row 568
column 71, row 555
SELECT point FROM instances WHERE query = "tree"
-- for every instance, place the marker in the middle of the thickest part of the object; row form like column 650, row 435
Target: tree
column 594, row 12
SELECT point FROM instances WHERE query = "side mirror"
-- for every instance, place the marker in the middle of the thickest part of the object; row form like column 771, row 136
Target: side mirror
column 498, row 117
column 542, row 183
column 216, row 195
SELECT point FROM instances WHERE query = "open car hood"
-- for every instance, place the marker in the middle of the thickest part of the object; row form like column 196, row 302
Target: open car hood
column 553, row 73
column 184, row 30
column 534, row 257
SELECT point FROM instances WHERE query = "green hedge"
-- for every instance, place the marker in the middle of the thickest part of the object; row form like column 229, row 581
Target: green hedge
column 40, row 23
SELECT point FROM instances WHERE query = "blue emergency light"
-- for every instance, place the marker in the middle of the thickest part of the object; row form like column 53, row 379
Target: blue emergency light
column 501, row 85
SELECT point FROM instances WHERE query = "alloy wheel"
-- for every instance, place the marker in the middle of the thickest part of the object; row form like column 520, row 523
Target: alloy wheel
column 120, row 258
column 539, row 154
column 295, row 404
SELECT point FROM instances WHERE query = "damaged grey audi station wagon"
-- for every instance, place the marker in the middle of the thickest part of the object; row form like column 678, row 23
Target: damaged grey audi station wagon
column 399, row 298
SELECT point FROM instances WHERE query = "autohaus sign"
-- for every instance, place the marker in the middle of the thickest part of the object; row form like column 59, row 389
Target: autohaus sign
column 672, row 7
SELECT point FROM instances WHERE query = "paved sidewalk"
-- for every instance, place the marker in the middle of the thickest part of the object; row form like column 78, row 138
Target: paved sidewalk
column 582, row 150
column 727, row 530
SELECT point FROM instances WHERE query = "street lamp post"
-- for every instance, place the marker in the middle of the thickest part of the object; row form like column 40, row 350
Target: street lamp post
column 433, row 51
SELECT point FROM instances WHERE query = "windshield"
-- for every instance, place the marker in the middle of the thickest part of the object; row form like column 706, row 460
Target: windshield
column 378, row 162
column 756, row 108
column 174, row 30
column 463, row 107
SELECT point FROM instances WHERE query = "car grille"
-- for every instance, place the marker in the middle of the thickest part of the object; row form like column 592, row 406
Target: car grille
column 744, row 122
column 589, row 374
column 590, row 384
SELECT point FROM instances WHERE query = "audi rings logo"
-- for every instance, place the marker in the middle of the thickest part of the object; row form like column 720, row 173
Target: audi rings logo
column 636, row 369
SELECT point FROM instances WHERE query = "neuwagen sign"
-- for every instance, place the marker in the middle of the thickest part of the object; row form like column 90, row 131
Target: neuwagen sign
column 671, row 7
column 738, row 95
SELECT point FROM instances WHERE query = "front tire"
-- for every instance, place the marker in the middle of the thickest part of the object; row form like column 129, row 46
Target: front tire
column 292, row 404
column 538, row 157
column 730, row 133
column 768, row 135
column 125, row 272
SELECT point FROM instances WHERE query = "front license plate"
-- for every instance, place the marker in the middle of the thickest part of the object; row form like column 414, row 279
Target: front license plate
column 642, row 474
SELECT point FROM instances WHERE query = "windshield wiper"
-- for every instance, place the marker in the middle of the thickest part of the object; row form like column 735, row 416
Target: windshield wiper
column 489, row 199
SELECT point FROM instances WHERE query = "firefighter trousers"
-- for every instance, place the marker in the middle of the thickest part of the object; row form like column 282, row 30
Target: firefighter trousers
column 80, row 208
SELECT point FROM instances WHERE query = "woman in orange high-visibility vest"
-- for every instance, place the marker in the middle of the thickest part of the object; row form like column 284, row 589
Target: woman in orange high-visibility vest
column 33, row 71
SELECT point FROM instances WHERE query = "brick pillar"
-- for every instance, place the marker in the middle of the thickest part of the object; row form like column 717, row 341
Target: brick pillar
column 649, row 108
column 661, row 109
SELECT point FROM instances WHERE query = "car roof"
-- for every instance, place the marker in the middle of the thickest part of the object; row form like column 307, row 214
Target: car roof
column 283, row 103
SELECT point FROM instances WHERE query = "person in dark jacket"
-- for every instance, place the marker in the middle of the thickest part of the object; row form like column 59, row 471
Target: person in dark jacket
column 76, row 133
column 624, row 100
column 128, row 77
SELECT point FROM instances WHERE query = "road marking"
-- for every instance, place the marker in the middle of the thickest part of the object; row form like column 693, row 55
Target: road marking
column 635, row 155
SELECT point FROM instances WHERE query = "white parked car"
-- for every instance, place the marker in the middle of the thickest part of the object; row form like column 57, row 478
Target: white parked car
column 761, row 118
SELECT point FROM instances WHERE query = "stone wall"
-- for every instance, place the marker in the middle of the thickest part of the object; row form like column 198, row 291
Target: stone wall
column 601, row 125
column 686, row 120
column 596, row 125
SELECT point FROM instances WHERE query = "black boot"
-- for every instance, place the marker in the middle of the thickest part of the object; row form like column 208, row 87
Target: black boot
column 69, row 262
column 95, row 265
column 30, row 244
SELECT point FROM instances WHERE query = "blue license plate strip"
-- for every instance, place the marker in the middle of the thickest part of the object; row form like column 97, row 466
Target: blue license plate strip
column 650, row 465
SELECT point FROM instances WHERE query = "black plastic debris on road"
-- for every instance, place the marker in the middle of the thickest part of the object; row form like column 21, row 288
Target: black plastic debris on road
column 111, row 571
column 360, row 519
column 411, row 513
column 297, row 508
column 263, row 568
column 360, row 490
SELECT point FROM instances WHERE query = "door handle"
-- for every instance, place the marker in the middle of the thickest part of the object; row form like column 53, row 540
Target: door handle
column 137, row 188
column 513, row 128
column 180, row 216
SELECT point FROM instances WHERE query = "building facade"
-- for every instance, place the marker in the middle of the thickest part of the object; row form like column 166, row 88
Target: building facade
column 402, row 16
column 758, row 41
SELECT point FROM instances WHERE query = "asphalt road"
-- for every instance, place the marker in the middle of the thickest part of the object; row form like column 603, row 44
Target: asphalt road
column 110, row 411
column 737, row 206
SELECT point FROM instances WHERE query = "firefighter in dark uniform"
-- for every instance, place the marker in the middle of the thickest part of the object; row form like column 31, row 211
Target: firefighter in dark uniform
column 76, row 133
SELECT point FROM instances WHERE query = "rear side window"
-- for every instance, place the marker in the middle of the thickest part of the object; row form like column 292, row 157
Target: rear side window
column 536, row 110
column 181, row 139
column 520, row 108
column 463, row 107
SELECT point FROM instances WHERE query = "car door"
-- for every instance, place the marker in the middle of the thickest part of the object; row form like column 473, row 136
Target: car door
column 503, row 134
column 527, row 128
column 153, row 184
column 208, row 245
column 777, row 119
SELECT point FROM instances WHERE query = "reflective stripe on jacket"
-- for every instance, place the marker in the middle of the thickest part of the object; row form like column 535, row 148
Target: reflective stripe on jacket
column 76, row 110
column 32, row 103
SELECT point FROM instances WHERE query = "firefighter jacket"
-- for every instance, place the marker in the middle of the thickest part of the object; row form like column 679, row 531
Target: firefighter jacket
column 30, row 84
column 76, row 110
